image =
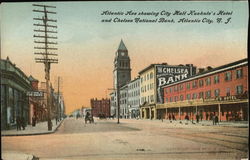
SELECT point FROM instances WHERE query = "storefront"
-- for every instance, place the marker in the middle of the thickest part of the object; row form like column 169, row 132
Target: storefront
column 14, row 102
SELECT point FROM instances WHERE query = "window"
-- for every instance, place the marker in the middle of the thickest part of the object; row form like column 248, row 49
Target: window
column 176, row 98
column 208, row 81
column 228, row 76
column 217, row 93
column 201, row 95
column 147, row 76
column 166, row 100
column 166, row 90
column 188, row 97
column 194, row 96
column 181, row 87
column 201, row 83
column 228, row 92
column 181, row 97
column 239, row 73
column 170, row 99
column 188, row 85
column 152, row 98
column 216, row 79
column 151, row 75
column 170, row 90
column 239, row 89
column 175, row 88
column 208, row 94
column 194, row 84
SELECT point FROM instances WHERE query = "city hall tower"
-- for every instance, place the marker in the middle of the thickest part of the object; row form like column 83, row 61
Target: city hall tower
column 122, row 70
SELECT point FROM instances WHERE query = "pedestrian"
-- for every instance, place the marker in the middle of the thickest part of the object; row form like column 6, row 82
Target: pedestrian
column 213, row 118
column 227, row 115
column 197, row 118
column 216, row 120
column 173, row 117
column 201, row 116
column 18, row 123
column 23, row 123
column 170, row 117
column 33, row 121
column 207, row 115
column 86, row 117
column 187, row 118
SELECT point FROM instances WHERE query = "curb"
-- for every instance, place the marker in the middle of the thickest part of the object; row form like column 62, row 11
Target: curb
column 33, row 134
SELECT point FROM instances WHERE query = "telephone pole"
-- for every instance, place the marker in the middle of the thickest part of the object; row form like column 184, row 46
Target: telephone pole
column 44, row 33
column 58, row 96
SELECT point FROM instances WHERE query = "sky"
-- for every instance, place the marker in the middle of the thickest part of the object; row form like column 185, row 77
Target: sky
column 87, row 46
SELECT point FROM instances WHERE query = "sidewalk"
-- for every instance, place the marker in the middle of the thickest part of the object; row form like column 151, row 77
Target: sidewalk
column 12, row 155
column 243, row 124
column 40, row 128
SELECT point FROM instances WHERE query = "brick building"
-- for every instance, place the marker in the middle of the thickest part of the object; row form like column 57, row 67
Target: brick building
column 222, row 91
column 100, row 107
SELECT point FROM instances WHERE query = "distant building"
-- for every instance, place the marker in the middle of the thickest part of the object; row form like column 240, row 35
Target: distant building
column 37, row 106
column 134, row 98
column 124, row 101
column 222, row 91
column 100, row 107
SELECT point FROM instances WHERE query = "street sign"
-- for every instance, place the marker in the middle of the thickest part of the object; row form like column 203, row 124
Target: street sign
column 34, row 94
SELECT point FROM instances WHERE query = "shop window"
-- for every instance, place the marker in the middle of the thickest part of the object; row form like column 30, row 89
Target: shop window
column 239, row 73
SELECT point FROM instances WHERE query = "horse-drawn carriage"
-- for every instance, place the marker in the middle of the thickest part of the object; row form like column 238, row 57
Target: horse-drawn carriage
column 89, row 118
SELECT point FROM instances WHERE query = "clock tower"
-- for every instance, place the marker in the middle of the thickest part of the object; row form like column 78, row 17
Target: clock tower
column 122, row 70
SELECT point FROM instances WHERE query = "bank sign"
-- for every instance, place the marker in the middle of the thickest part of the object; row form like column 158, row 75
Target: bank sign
column 166, row 74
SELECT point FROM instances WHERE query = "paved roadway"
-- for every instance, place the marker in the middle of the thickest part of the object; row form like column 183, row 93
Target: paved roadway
column 133, row 139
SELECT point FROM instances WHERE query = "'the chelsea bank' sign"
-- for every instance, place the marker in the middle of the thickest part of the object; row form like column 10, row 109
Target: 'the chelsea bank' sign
column 167, row 74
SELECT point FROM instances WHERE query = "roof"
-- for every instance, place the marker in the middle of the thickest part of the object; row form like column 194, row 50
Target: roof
column 147, row 68
column 32, row 79
column 122, row 46
column 214, row 70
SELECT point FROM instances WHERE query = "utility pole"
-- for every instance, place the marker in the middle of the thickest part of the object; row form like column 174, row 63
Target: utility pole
column 58, row 95
column 45, row 41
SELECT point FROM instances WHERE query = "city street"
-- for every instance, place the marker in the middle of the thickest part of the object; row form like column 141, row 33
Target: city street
column 133, row 139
